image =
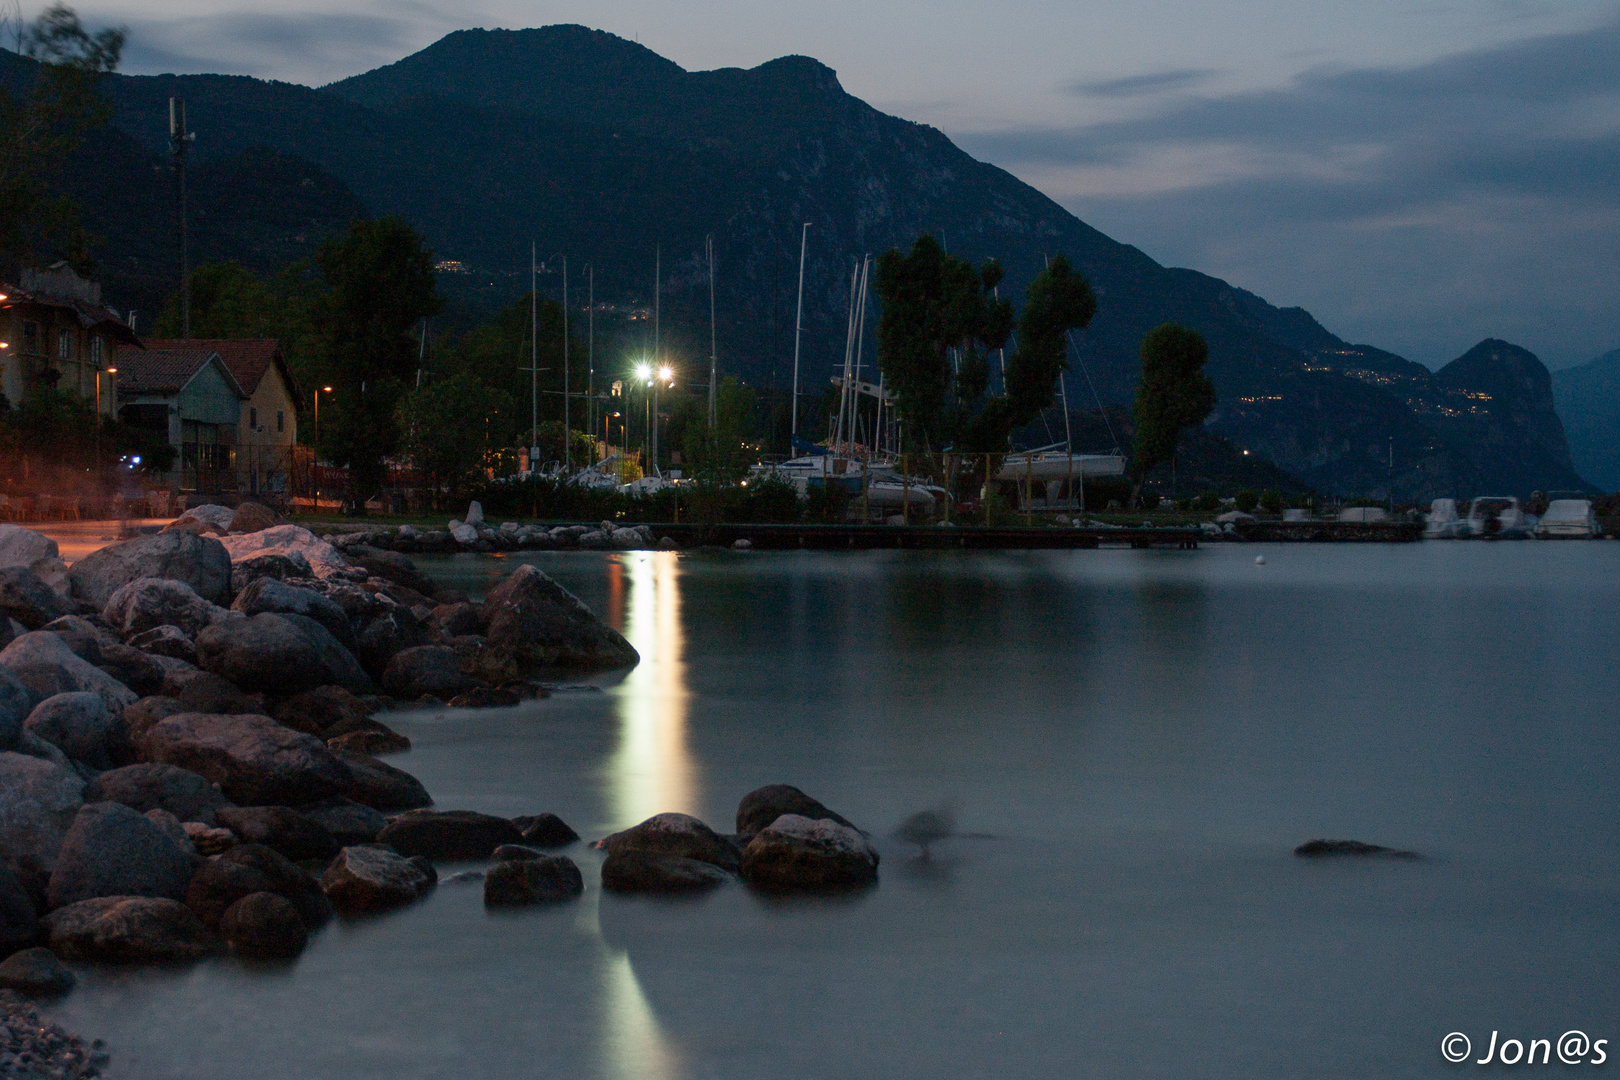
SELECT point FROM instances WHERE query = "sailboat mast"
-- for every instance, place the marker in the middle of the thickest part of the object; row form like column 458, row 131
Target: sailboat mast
column 849, row 354
column 713, row 352
column 534, row 356
column 567, row 382
column 798, row 330
column 590, row 349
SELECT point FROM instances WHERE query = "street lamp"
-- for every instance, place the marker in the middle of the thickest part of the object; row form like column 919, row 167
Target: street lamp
column 666, row 377
column 99, row 372
column 318, row 390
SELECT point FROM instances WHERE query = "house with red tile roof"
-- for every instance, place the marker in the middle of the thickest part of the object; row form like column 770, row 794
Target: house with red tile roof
column 187, row 395
column 56, row 332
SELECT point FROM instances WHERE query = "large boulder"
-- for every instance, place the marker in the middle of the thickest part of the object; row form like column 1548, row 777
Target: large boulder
column 35, row 973
column 545, row 830
column 129, row 930
column 82, row 727
column 287, row 540
column 457, row 620
column 251, row 517
column 154, row 786
column 254, row 760
column 646, row 872
column 319, row 710
column 265, row 652
column 387, row 635
column 150, row 602
column 113, row 851
column 279, row 828
column 149, row 710
column 167, row 641
column 16, row 702
column 340, row 665
column 199, row 561
column 549, row 879
column 264, row 926
column 348, row 822
column 205, row 692
column 365, row 879
column 269, row 594
column 19, row 919
column 36, row 551
column 448, row 835
column 268, row 564
column 142, row 673
column 426, row 669
column 379, row 785
column 209, row 518
column 675, row 834
column 533, row 617
column 38, row 802
column 797, row 854
column 764, row 805
column 250, row 868
column 391, row 566
column 43, row 662
column 26, row 598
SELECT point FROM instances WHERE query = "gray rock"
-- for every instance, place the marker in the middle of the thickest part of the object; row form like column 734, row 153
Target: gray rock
column 16, row 702
column 457, row 620
column 448, row 835
column 43, row 663
column 166, row 640
column 545, row 830
column 36, row 973
column 129, row 930
column 82, row 727
column 148, row 711
column 265, row 652
column 363, row 879
column 252, row 517
column 475, row 513
column 254, row 760
column 19, row 919
column 514, row 853
column 34, row 746
column 205, row 692
column 675, row 834
column 391, row 566
column 147, row 603
column 426, row 669
column 323, row 709
column 532, row 617
column 269, row 594
column 173, row 828
column 463, row 534
column 142, row 673
column 550, row 879
column 379, row 785
column 250, row 868
column 38, row 801
column 390, row 633
column 273, row 564
column 148, row 786
column 199, row 561
column 646, row 872
column 26, row 598
column 113, row 851
column 85, row 638
column 347, row 821
column 796, row 854
column 764, row 805
column 341, row 666
column 264, row 926
column 25, row 547
column 279, row 828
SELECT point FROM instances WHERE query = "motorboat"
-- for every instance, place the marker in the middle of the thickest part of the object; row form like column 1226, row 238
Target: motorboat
column 1442, row 521
column 1569, row 519
column 1498, row 517
column 646, row 485
column 1364, row 515
column 1050, row 465
column 602, row 476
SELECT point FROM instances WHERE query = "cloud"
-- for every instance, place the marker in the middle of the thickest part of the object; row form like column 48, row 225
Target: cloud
column 1161, row 82
column 300, row 47
column 1483, row 187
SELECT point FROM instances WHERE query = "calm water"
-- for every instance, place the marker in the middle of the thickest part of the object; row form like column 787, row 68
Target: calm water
column 1142, row 737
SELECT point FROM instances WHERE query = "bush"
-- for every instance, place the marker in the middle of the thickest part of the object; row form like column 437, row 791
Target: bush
column 1246, row 501
column 1271, row 501
column 1206, row 503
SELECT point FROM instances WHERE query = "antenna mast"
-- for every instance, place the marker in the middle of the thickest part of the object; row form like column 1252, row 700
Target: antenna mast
column 179, row 140
column 567, row 382
column 798, row 329
column 709, row 243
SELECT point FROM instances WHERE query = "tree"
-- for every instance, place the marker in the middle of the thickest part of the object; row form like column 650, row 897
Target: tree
column 1174, row 394
column 449, row 426
column 723, row 452
column 379, row 286
column 942, row 319
column 41, row 127
column 228, row 301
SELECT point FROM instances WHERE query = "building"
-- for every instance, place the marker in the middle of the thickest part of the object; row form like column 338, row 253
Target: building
column 55, row 332
column 186, row 394
column 267, row 430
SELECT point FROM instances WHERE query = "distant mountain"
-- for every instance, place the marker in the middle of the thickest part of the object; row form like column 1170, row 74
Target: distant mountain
column 1588, row 400
column 599, row 148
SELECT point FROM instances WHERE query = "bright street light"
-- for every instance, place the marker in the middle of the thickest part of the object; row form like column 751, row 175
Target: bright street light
column 666, row 373
column 642, row 371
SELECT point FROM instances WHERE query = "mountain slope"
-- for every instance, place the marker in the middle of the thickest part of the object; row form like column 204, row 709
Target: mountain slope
column 599, row 148
column 1588, row 401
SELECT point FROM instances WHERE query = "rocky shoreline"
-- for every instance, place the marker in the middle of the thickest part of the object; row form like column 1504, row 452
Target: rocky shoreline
column 190, row 756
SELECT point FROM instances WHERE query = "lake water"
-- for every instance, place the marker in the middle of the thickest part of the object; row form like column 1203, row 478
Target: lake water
column 1139, row 737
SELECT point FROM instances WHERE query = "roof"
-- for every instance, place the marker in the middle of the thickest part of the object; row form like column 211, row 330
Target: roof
column 90, row 316
column 165, row 372
column 247, row 358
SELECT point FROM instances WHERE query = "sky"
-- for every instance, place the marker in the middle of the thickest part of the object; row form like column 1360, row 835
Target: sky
column 1419, row 175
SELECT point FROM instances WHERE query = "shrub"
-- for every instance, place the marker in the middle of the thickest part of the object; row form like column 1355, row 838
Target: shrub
column 1246, row 501
column 1206, row 503
column 1271, row 501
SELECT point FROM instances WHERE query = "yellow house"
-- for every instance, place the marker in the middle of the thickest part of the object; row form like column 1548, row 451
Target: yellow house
column 55, row 331
column 268, row 428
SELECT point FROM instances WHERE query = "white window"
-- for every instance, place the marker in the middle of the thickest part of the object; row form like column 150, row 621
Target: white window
column 64, row 345
column 95, row 349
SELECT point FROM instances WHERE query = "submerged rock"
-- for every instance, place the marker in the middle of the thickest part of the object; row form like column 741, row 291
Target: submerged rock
column 448, row 835
column 379, row 785
column 348, row 821
column 549, row 879
column 795, row 853
column 1316, row 849
column 264, row 926
column 280, row 828
column 36, row 973
column 129, row 930
column 362, row 880
column 675, row 834
column 532, row 617
column 254, row 760
column 764, row 805
column 647, row 872
column 426, row 669
column 545, row 831
column 250, row 868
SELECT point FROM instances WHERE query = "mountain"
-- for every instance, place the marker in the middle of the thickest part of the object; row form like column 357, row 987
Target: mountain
column 1588, row 400
column 599, row 148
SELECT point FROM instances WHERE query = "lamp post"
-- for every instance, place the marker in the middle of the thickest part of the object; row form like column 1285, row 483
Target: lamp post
column 99, row 373
column 318, row 390
column 666, row 376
